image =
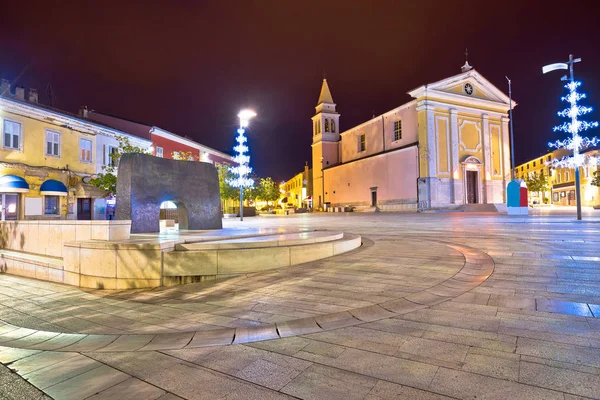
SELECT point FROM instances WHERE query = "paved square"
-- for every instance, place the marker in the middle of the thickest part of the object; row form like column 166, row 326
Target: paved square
column 432, row 306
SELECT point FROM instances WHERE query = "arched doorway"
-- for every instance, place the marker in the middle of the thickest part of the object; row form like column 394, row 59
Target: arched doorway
column 472, row 180
column 173, row 215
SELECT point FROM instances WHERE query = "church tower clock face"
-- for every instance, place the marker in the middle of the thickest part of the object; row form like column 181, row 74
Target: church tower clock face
column 468, row 89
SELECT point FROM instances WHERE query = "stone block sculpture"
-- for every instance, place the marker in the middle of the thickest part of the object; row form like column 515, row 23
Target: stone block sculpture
column 145, row 181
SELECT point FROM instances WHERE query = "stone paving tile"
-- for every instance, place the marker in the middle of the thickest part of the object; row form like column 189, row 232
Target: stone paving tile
column 268, row 374
column 8, row 354
column 397, row 370
column 212, row 338
column 58, row 342
column 365, row 339
column 168, row 396
column 128, row 343
column 39, row 360
column 182, row 378
column 506, row 344
column 564, row 380
column 462, row 385
column 391, row 391
column 564, row 307
column 323, row 349
column 561, row 364
column 492, row 363
column 86, row 384
column 288, row 346
column 62, row 371
column 434, row 349
column 320, row 382
column 558, row 351
column 453, row 319
column 167, row 341
column 298, row 327
column 132, row 389
column 255, row 333
column 91, row 343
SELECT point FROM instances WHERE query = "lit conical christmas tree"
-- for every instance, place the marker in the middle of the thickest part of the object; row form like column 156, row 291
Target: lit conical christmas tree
column 574, row 127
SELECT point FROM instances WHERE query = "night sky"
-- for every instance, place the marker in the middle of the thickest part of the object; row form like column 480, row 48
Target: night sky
column 188, row 67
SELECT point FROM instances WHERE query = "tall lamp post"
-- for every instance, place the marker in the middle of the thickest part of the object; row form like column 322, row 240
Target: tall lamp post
column 576, row 142
column 512, row 139
column 323, row 183
column 242, row 159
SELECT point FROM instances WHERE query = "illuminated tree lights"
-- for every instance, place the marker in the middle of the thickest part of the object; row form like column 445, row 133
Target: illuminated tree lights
column 241, row 170
column 576, row 142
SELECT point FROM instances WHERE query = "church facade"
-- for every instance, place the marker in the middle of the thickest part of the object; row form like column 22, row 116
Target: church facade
column 447, row 147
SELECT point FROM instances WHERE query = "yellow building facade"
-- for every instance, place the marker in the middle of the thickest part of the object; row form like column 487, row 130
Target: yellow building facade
column 295, row 190
column 47, row 159
column 561, row 181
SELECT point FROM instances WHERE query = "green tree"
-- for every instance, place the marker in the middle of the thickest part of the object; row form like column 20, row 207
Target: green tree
column 268, row 190
column 537, row 183
column 184, row 156
column 107, row 180
column 596, row 180
column 226, row 190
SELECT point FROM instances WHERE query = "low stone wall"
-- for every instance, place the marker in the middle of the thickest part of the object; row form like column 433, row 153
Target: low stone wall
column 106, row 265
column 48, row 237
column 197, row 265
column 98, row 255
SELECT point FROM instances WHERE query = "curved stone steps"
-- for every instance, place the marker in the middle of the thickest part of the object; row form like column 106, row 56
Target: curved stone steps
column 477, row 267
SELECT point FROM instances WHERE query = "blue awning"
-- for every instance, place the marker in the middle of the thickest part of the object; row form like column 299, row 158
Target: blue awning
column 53, row 188
column 13, row 184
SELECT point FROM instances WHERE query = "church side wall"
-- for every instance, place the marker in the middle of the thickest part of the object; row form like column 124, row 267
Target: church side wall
column 393, row 175
column 379, row 133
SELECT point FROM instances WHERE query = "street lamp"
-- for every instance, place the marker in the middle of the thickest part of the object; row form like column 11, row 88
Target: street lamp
column 322, row 184
column 242, row 170
column 512, row 140
column 576, row 142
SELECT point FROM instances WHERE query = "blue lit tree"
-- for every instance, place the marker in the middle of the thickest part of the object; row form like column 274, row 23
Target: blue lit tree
column 574, row 127
column 242, row 170
column 576, row 142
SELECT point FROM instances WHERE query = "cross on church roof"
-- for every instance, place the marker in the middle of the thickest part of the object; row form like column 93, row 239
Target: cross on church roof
column 466, row 67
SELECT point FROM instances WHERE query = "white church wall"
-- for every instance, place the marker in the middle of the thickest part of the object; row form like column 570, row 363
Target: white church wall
column 394, row 175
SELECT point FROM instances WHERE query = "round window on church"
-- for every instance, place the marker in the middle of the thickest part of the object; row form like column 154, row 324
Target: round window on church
column 468, row 89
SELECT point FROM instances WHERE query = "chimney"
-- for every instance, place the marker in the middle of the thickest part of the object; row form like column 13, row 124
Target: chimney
column 32, row 96
column 83, row 111
column 4, row 87
column 20, row 93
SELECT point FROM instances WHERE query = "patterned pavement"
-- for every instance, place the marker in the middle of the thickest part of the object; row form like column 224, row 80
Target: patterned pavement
column 414, row 313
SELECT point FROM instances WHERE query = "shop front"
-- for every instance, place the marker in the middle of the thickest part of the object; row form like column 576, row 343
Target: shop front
column 11, row 189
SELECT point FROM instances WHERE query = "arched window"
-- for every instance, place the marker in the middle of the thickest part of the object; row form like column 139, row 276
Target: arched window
column 333, row 126
column 318, row 127
column 326, row 125
column 567, row 176
column 316, row 124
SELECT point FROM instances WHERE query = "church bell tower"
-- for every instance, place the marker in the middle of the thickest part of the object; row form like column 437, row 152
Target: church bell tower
column 325, row 146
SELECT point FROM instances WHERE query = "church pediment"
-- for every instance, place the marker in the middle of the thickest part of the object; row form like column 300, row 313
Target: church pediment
column 468, row 86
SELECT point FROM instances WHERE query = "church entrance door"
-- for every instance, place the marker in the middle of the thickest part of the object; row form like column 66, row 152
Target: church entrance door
column 471, row 187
